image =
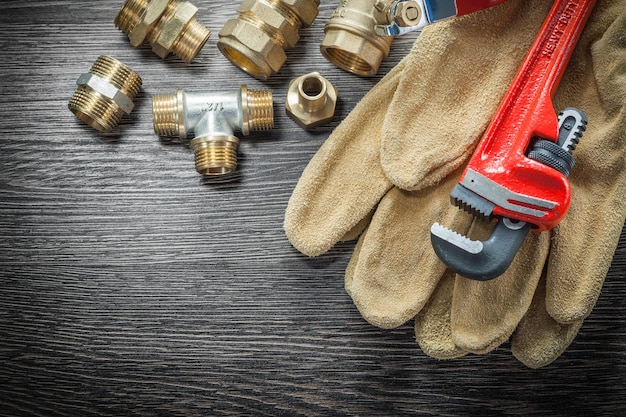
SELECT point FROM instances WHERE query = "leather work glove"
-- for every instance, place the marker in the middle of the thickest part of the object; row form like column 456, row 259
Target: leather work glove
column 387, row 170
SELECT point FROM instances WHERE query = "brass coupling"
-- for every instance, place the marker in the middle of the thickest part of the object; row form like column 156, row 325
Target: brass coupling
column 105, row 93
column 213, row 118
column 257, row 39
column 311, row 100
column 350, row 40
column 170, row 26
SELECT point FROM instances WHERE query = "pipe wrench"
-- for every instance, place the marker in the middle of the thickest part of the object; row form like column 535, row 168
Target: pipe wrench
column 398, row 17
column 518, row 172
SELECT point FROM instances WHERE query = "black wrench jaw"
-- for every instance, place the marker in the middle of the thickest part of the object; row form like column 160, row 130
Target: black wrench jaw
column 475, row 259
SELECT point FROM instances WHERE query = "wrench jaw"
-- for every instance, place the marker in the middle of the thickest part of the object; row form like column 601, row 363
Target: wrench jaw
column 475, row 259
column 486, row 260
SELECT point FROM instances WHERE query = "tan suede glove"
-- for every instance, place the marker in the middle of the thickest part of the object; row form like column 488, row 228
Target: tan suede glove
column 414, row 131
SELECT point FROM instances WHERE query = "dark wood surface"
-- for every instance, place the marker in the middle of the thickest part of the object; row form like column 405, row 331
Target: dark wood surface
column 129, row 285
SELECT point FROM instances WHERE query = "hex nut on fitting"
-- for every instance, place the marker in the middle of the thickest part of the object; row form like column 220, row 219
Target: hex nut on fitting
column 408, row 13
column 257, row 39
column 405, row 13
column 169, row 26
column 311, row 100
column 213, row 118
column 350, row 41
column 105, row 93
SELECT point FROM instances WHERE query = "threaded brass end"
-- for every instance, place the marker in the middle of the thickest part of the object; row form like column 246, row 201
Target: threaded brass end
column 167, row 115
column 105, row 94
column 122, row 77
column 215, row 155
column 260, row 109
column 130, row 15
column 95, row 110
column 350, row 62
column 191, row 41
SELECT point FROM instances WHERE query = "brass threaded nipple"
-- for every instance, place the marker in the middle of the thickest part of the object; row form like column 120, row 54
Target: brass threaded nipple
column 170, row 26
column 105, row 93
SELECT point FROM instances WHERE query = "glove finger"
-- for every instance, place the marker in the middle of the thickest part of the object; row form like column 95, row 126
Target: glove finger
column 397, row 269
column 344, row 180
column 457, row 74
column 539, row 339
column 586, row 239
column 433, row 327
column 485, row 313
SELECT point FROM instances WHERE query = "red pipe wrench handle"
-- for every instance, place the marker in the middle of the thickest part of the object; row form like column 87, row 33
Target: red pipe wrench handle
column 499, row 171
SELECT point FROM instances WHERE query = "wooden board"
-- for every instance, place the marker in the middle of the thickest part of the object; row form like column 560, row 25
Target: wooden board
column 130, row 285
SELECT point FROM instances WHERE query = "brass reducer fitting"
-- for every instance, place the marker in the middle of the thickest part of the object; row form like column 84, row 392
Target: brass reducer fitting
column 257, row 39
column 168, row 25
column 105, row 93
column 350, row 41
column 213, row 118
column 311, row 100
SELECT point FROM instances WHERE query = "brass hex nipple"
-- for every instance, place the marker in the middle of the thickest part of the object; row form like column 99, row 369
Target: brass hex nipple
column 213, row 117
column 105, row 93
column 257, row 39
column 350, row 40
column 311, row 100
column 169, row 26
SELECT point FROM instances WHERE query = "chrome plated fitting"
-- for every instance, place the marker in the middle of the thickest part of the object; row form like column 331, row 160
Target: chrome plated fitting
column 213, row 118
column 257, row 39
column 350, row 40
column 105, row 93
column 397, row 17
column 168, row 25
column 311, row 100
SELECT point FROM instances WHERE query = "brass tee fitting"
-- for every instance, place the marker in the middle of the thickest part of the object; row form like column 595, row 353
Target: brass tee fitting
column 105, row 93
column 350, row 40
column 311, row 100
column 213, row 117
column 257, row 39
column 168, row 25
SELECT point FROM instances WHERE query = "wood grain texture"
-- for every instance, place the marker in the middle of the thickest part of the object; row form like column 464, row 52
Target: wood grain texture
column 131, row 286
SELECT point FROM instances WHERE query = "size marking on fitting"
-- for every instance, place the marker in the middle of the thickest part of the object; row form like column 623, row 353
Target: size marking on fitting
column 213, row 107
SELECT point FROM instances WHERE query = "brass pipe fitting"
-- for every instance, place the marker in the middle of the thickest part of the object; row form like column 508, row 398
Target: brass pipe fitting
column 350, row 41
column 311, row 100
column 213, row 118
column 168, row 25
column 105, row 93
column 257, row 39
